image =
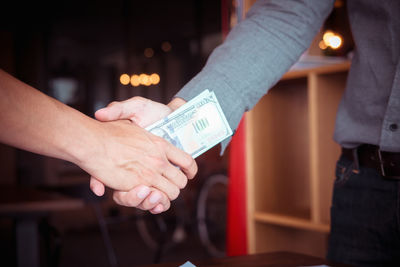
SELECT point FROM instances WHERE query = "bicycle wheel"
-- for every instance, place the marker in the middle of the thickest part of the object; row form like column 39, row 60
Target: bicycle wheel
column 156, row 229
column 211, row 214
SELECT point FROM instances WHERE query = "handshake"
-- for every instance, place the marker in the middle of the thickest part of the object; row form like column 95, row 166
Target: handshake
column 148, row 167
column 142, row 149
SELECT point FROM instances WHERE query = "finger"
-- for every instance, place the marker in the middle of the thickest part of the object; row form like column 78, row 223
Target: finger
column 175, row 175
column 181, row 159
column 139, row 110
column 113, row 111
column 96, row 186
column 148, row 113
column 157, row 209
column 128, row 109
column 154, row 199
column 132, row 198
column 164, row 185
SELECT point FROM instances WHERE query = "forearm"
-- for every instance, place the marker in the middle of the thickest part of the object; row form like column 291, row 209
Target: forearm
column 33, row 121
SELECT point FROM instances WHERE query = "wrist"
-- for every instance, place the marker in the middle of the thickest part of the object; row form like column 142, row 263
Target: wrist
column 83, row 141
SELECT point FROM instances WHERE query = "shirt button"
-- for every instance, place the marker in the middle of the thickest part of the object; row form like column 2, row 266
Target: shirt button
column 393, row 127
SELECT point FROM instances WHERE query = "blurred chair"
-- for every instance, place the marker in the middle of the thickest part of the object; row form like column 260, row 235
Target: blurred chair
column 82, row 191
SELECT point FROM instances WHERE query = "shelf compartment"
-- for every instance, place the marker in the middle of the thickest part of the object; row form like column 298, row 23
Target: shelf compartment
column 279, row 238
column 290, row 221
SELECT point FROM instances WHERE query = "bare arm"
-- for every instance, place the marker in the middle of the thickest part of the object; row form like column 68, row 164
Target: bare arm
column 120, row 154
column 35, row 122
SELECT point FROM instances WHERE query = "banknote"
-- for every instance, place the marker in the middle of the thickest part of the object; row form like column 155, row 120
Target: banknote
column 196, row 126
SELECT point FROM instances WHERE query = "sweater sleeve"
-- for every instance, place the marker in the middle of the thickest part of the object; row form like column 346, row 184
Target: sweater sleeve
column 257, row 52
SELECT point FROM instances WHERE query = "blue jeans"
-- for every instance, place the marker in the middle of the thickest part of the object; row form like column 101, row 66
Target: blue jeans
column 365, row 217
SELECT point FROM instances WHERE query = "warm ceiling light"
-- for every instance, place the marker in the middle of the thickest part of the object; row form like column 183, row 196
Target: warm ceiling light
column 154, row 78
column 124, row 79
column 331, row 39
column 144, row 79
column 149, row 52
column 166, row 46
column 322, row 45
column 327, row 35
column 135, row 80
column 335, row 42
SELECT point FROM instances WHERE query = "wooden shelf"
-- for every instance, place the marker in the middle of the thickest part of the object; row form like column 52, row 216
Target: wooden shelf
column 291, row 158
column 290, row 221
column 303, row 69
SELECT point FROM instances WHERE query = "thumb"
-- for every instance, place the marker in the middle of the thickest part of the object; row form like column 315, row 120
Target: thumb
column 112, row 112
column 96, row 186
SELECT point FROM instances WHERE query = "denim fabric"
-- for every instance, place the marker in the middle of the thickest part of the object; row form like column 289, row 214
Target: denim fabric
column 364, row 218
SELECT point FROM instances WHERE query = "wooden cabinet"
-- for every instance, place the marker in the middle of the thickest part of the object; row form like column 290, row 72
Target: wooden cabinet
column 290, row 160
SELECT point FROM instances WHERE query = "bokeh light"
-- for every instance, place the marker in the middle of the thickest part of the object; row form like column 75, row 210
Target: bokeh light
column 335, row 41
column 322, row 45
column 144, row 79
column 140, row 79
column 135, row 80
column 124, row 79
column 166, row 46
column 327, row 35
column 154, row 78
column 332, row 40
column 149, row 52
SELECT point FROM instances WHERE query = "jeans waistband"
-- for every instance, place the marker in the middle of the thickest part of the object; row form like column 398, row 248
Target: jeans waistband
column 370, row 156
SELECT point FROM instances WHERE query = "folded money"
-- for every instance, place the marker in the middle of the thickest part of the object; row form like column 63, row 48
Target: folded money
column 196, row 126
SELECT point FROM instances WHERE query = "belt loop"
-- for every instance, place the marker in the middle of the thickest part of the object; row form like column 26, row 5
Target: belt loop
column 381, row 163
column 356, row 163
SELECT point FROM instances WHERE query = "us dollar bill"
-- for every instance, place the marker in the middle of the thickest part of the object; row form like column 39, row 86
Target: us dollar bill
column 196, row 126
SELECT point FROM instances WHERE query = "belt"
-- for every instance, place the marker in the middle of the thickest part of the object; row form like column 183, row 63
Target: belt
column 370, row 156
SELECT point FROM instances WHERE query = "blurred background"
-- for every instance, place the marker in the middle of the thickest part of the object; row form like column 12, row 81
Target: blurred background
column 87, row 54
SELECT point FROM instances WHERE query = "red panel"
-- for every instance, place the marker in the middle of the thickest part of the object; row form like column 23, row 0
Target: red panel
column 236, row 215
column 225, row 20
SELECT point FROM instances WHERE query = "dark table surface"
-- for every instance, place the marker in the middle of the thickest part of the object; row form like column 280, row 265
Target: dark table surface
column 20, row 200
column 255, row 260
column 26, row 206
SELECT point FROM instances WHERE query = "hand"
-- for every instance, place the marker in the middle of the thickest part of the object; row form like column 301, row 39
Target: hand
column 143, row 112
column 126, row 156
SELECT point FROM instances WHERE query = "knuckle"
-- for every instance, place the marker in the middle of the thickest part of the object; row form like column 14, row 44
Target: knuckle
column 195, row 169
column 187, row 161
column 116, row 198
column 174, row 193
column 143, row 173
column 113, row 103
column 145, row 205
column 167, row 206
column 160, row 163
column 164, row 200
column 183, row 182
column 131, row 200
column 135, row 98
column 161, row 142
column 149, row 177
